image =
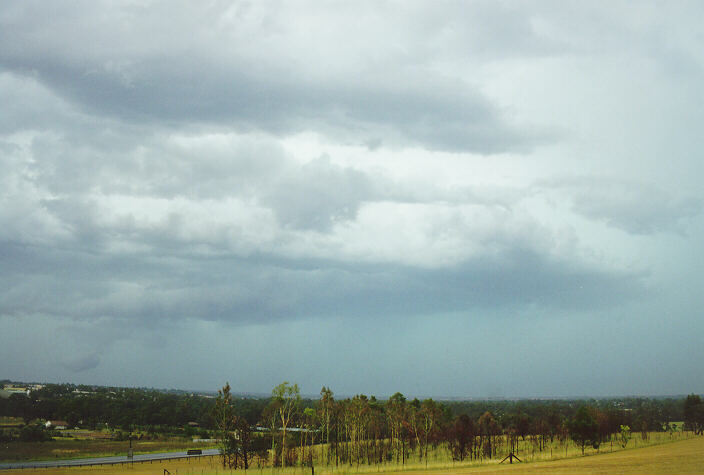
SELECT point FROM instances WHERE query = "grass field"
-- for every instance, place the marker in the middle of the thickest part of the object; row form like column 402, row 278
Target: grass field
column 681, row 456
column 684, row 456
column 81, row 448
column 10, row 422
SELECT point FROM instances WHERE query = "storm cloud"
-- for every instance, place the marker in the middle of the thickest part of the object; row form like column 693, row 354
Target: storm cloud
column 350, row 183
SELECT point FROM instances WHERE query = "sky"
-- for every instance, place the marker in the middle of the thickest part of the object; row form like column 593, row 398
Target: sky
column 448, row 199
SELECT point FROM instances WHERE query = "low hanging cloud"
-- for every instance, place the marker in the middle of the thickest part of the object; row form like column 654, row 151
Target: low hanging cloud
column 327, row 243
column 81, row 363
column 636, row 208
column 150, row 291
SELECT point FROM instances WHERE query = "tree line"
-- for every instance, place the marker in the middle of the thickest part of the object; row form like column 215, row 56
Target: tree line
column 95, row 406
column 365, row 430
column 283, row 428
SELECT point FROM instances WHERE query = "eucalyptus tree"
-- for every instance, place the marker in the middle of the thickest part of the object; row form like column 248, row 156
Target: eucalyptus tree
column 488, row 430
column 397, row 412
column 223, row 415
column 325, row 413
column 309, row 425
column 359, row 421
column 415, row 424
column 288, row 398
column 430, row 413
column 376, row 429
column 463, row 432
column 269, row 418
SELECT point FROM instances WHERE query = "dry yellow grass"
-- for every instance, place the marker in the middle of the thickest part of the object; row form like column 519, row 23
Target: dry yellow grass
column 685, row 456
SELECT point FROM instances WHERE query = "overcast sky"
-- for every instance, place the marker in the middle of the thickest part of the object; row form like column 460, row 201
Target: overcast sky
column 468, row 199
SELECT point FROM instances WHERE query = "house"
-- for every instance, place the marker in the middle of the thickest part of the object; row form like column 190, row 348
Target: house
column 58, row 425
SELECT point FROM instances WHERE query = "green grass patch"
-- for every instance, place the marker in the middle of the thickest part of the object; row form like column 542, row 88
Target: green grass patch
column 10, row 422
column 65, row 448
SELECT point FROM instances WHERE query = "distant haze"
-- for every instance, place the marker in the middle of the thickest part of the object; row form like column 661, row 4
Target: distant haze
column 459, row 199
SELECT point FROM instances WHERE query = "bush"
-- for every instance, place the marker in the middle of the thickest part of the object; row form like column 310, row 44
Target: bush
column 34, row 433
column 5, row 436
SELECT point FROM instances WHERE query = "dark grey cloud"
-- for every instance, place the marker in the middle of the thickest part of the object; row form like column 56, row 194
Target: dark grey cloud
column 198, row 82
column 434, row 115
column 153, row 290
column 247, row 176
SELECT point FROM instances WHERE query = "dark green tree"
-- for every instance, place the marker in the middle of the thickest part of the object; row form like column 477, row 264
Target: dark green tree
column 243, row 440
column 462, row 437
column 584, row 429
column 694, row 413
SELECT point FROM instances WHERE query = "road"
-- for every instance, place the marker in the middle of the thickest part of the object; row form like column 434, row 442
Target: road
column 103, row 460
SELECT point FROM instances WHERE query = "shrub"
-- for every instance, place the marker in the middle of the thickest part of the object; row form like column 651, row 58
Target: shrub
column 34, row 433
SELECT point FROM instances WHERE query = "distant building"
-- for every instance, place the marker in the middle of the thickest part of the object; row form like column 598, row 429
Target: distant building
column 58, row 425
column 10, row 389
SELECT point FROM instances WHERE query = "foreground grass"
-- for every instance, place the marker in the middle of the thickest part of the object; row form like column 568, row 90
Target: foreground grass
column 682, row 456
column 82, row 448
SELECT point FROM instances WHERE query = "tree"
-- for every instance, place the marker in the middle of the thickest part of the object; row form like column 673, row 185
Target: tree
column 624, row 435
column 288, row 398
column 242, row 441
column 694, row 413
column 584, row 429
column 396, row 411
column 462, row 434
column 22, row 406
column 325, row 415
column 430, row 412
column 488, row 430
column 223, row 415
column 269, row 419
column 309, row 421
